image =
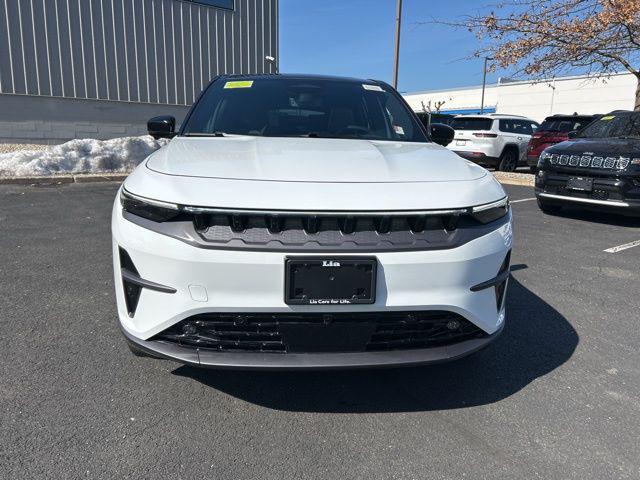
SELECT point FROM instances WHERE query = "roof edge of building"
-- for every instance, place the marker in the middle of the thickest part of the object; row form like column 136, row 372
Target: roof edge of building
column 501, row 82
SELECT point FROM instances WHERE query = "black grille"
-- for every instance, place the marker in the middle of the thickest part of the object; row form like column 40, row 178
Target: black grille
column 321, row 332
column 313, row 224
column 421, row 330
column 328, row 232
column 600, row 195
column 373, row 232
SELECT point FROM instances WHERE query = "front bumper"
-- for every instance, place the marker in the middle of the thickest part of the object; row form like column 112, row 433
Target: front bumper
column 200, row 281
column 615, row 194
column 310, row 361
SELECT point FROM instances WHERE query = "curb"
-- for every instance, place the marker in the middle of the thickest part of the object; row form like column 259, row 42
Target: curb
column 97, row 177
column 523, row 179
column 62, row 179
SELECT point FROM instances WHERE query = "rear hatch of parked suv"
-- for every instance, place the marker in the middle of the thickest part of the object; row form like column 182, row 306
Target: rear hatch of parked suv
column 554, row 129
column 473, row 137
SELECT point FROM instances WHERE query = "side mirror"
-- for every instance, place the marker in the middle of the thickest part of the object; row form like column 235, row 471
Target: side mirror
column 163, row 126
column 442, row 134
column 572, row 134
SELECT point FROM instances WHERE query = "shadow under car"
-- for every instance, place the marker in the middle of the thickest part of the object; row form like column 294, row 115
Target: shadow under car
column 536, row 340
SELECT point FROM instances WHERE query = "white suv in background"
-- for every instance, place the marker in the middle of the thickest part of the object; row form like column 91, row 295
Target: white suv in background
column 494, row 140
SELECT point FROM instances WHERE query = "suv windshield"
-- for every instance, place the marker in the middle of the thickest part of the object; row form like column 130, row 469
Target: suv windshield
column 442, row 118
column 471, row 124
column 303, row 107
column 614, row 125
column 564, row 124
column 435, row 118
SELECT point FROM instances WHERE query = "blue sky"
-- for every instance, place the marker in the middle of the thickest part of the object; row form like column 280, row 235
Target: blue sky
column 356, row 37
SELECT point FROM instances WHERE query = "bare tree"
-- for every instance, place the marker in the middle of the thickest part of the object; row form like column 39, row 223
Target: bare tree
column 436, row 106
column 544, row 38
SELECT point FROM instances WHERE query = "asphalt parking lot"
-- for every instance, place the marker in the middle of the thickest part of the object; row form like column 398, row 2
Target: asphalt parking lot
column 557, row 396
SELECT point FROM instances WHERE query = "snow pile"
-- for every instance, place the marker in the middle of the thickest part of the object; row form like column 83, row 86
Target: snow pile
column 120, row 155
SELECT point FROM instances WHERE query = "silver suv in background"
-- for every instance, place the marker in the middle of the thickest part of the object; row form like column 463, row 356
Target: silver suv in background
column 494, row 140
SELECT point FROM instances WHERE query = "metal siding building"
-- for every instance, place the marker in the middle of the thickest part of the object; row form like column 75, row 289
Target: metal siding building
column 100, row 68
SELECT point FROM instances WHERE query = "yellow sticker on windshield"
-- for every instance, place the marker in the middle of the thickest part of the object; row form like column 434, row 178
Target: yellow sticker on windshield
column 608, row 117
column 239, row 84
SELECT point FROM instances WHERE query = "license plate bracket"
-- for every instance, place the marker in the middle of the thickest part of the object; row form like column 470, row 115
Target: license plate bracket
column 581, row 184
column 330, row 280
column 327, row 337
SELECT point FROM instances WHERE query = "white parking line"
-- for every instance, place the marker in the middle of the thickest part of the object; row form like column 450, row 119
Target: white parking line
column 522, row 200
column 619, row 248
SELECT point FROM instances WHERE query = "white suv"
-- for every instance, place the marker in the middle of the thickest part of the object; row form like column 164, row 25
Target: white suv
column 308, row 222
column 494, row 140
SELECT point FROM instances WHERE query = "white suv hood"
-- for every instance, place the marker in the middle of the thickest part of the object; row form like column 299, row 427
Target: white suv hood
column 311, row 160
column 311, row 174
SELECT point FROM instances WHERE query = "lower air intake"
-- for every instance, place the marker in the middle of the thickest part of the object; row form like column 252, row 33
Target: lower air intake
column 321, row 332
column 501, row 287
column 131, row 290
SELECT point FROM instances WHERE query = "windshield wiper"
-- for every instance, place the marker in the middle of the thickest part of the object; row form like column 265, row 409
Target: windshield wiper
column 628, row 137
column 204, row 134
column 303, row 135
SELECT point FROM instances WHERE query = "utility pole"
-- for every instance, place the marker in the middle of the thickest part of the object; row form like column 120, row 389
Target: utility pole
column 484, row 83
column 397, row 55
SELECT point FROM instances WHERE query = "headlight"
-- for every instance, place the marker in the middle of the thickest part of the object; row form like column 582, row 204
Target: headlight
column 490, row 211
column 543, row 156
column 147, row 208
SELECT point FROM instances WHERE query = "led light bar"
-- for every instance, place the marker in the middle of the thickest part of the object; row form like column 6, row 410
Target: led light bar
column 503, row 202
column 156, row 203
column 125, row 195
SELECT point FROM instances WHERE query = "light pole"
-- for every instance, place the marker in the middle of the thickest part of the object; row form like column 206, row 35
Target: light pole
column 484, row 83
column 553, row 94
column 397, row 53
column 272, row 61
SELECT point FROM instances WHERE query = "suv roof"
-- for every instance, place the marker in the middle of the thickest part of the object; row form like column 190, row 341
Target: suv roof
column 255, row 76
column 491, row 116
column 572, row 115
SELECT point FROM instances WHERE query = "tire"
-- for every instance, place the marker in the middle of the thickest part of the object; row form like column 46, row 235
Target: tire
column 508, row 161
column 548, row 209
